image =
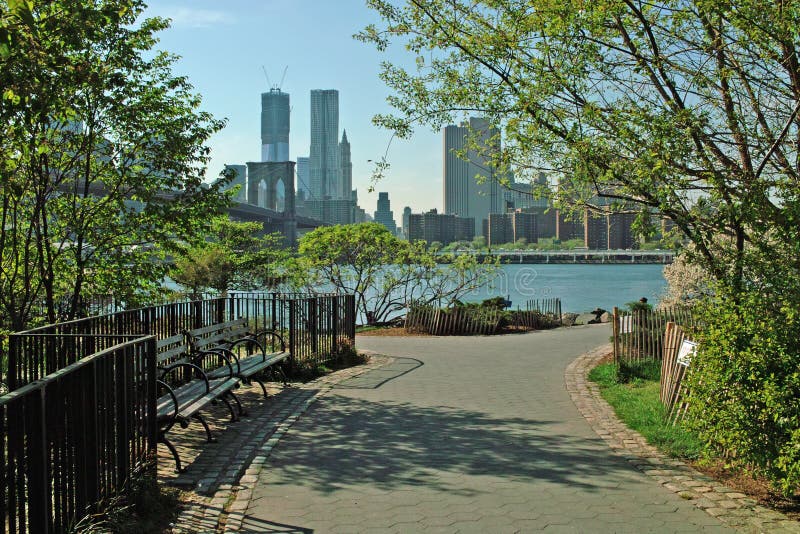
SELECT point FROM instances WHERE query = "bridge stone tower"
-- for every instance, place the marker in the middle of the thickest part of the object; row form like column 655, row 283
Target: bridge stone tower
column 264, row 190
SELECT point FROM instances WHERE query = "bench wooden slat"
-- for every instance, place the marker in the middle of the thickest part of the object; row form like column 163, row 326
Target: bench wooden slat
column 214, row 339
column 171, row 347
column 213, row 327
column 252, row 364
column 219, row 387
column 192, row 397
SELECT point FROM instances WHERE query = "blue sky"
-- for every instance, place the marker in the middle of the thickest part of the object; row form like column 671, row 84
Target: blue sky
column 223, row 45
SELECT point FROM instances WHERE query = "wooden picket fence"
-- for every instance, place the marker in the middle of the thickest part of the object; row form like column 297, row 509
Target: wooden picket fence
column 639, row 335
column 482, row 321
column 550, row 307
column 459, row 321
column 673, row 372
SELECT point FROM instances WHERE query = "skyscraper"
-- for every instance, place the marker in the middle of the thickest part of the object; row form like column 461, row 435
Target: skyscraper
column 346, row 166
column 303, row 177
column 324, row 157
column 275, row 126
column 406, row 215
column 384, row 213
column 463, row 195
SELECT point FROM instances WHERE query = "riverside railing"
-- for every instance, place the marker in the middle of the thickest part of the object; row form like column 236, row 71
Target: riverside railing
column 40, row 351
column 314, row 327
column 80, row 419
column 73, row 438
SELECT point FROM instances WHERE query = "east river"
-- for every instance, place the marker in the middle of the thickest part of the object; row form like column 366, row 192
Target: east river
column 580, row 287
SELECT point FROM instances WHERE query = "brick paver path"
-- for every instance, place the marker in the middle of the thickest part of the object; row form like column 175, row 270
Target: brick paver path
column 474, row 434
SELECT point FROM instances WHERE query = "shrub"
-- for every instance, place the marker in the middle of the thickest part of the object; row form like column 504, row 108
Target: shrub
column 745, row 384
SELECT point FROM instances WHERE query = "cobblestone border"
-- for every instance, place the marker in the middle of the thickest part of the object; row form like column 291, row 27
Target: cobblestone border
column 224, row 511
column 732, row 508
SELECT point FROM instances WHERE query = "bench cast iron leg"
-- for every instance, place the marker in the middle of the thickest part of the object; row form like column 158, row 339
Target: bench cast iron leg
column 263, row 387
column 205, row 425
column 230, row 409
column 279, row 370
column 163, row 439
column 238, row 404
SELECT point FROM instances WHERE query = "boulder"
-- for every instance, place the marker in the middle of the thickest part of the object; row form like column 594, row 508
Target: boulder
column 606, row 317
column 584, row 318
column 568, row 319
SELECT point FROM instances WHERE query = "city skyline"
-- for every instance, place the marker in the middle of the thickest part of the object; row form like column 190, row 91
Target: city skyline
column 223, row 49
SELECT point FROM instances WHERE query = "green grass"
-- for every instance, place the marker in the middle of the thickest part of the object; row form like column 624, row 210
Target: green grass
column 633, row 392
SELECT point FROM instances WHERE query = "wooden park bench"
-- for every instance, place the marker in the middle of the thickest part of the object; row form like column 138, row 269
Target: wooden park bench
column 194, row 388
column 245, row 349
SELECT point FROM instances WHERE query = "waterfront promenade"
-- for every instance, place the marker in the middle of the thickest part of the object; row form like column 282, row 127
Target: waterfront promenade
column 471, row 434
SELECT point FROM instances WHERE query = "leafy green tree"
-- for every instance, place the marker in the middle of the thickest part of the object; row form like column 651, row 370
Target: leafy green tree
column 688, row 110
column 234, row 257
column 680, row 109
column 102, row 156
column 479, row 242
column 384, row 273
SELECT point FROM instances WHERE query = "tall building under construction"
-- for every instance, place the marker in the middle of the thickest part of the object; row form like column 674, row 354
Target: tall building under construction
column 275, row 126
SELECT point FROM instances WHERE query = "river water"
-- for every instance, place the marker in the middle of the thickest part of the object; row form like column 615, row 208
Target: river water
column 580, row 287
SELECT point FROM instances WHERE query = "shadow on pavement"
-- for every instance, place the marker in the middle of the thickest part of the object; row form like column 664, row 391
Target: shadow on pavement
column 378, row 377
column 386, row 445
column 252, row 524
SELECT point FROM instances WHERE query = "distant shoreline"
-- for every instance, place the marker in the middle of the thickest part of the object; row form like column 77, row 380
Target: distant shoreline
column 590, row 257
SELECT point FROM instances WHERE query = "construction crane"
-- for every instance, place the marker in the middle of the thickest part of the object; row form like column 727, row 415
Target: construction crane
column 269, row 84
column 283, row 77
column 266, row 75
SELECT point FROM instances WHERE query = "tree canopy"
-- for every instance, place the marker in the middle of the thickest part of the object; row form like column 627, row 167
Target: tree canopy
column 102, row 156
column 681, row 109
column 235, row 256
column 385, row 273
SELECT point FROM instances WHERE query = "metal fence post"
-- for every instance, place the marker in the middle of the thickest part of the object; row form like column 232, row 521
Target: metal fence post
column 39, row 509
column 313, row 327
column 292, row 335
column 335, row 318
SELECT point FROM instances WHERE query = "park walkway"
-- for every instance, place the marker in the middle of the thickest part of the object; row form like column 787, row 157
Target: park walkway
column 474, row 434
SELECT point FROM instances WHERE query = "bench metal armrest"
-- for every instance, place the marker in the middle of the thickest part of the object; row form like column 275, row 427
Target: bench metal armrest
column 272, row 333
column 178, row 365
column 250, row 339
column 171, row 393
column 222, row 352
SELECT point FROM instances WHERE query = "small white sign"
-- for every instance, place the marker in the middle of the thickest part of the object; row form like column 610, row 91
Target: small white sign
column 686, row 352
column 625, row 324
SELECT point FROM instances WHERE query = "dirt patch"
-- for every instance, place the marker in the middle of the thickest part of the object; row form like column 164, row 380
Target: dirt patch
column 608, row 358
column 390, row 331
column 755, row 487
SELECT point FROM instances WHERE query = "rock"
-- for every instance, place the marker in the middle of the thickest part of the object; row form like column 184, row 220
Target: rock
column 586, row 318
column 606, row 317
column 568, row 319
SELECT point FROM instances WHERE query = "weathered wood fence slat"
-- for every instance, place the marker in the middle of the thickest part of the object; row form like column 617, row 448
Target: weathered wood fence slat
column 470, row 320
column 639, row 335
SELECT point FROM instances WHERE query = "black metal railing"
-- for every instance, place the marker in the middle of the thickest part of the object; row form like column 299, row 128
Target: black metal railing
column 74, row 438
column 80, row 415
column 313, row 326
column 35, row 353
